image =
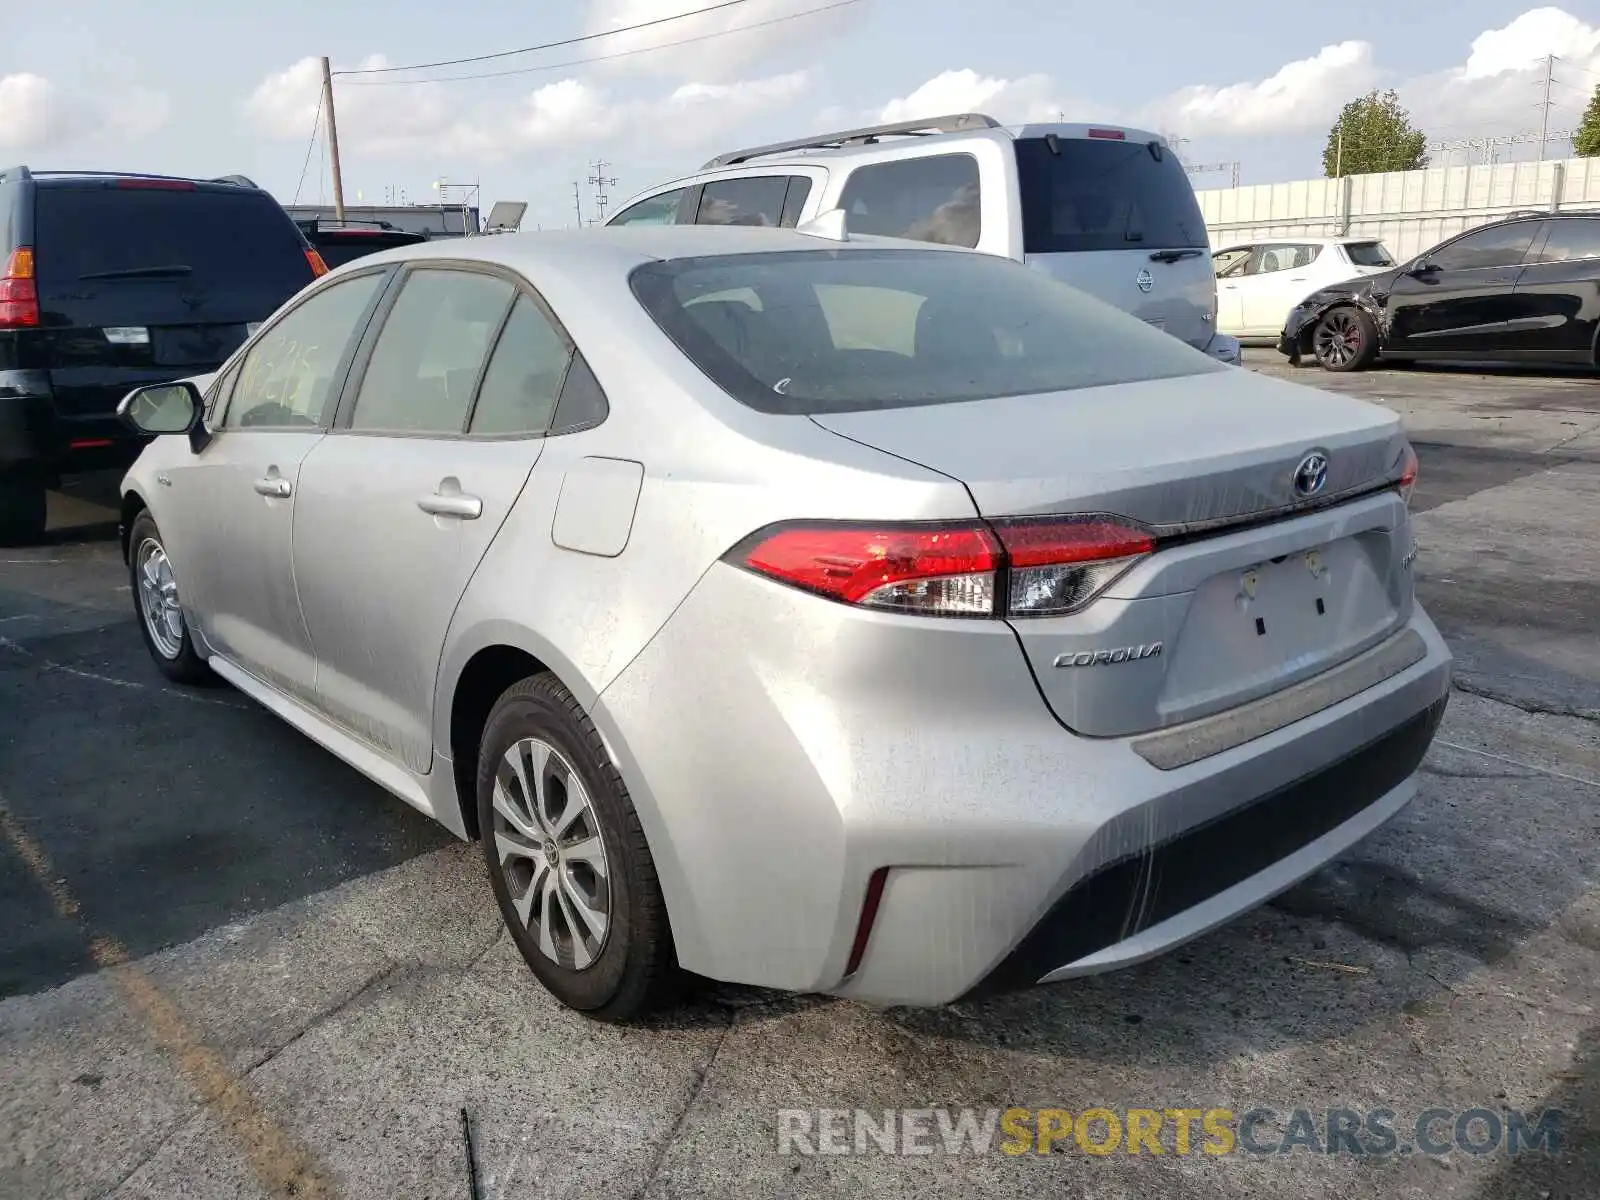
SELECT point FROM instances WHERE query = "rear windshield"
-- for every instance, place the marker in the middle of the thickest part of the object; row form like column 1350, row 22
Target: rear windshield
column 1368, row 254
column 241, row 241
column 839, row 331
column 1105, row 195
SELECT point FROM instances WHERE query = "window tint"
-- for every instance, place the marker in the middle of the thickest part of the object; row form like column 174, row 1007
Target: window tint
column 657, row 210
column 523, row 382
column 885, row 329
column 1498, row 246
column 795, row 201
column 1105, row 195
column 223, row 240
column 582, row 405
column 288, row 377
column 1369, row 254
column 217, row 395
column 426, row 360
column 1570, row 240
column 933, row 199
column 1231, row 262
column 756, row 201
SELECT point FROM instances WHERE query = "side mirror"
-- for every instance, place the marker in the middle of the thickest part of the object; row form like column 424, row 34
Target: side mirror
column 1420, row 268
column 165, row 408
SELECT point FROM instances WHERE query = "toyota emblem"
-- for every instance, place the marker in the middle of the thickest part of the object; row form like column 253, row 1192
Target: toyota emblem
column 1145, row 280
column 1311, row 474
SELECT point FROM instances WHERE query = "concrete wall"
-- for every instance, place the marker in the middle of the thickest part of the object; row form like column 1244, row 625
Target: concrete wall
column 1408, row 210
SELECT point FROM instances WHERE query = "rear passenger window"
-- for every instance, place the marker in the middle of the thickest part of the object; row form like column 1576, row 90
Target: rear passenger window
column 582, row 405
column 794, row 201
column 523, row 382
column 1571, row 240
column 426, row 361
column 657, row 210
column 756, row 201
column 287, row 379
column 932, row 199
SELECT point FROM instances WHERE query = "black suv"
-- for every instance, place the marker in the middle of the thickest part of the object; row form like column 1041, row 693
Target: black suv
column 339, row 244
column 109, row 281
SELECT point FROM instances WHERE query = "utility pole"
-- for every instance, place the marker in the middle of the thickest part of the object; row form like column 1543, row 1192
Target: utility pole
column 1544, row 107
column 1338, row 153
column 600, row 182
column 333, row 140
column 577, row 201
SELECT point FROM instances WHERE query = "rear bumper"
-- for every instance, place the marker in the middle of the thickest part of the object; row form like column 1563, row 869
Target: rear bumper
column 1226, row 348
column 34, row 435
column 781, row 749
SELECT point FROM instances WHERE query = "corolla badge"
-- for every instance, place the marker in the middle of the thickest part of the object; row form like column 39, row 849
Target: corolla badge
column 1145, row 280
column 1311, row 474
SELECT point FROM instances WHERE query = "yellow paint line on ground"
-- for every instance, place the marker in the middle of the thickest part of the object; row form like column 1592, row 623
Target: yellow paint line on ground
column 281, row 1165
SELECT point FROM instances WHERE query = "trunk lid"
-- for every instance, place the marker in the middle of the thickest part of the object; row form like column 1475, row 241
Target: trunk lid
column 1255, row 587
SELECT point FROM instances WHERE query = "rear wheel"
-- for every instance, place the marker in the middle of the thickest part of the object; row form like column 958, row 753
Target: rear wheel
column 567, row 857
column 158, row 606
column 1345, row 340
column 22, row 507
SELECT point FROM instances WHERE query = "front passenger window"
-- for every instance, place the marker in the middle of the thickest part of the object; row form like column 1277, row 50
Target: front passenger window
column 426, row 361
column 524, row 378
column 287, row 380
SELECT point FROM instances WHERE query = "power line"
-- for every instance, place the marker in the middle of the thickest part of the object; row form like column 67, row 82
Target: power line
column 580, row 62
column 588, row 37
column 316, row 125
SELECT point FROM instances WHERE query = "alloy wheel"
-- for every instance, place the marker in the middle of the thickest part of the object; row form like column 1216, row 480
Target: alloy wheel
column 158, row 599
column 548, row 844
column 1338, row 338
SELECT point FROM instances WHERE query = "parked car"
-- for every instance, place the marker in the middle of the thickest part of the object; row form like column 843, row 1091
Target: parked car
column 1258, row 283
column 845, row 616
column 1525, row 289
column 1107, row 209
column 342, row 243
column 112, row 280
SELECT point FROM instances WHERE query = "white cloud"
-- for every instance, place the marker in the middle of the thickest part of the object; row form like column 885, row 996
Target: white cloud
column 1030, row 98
column 756, row 31
column 429, row 118
column 1305, row 94
column 36, row 114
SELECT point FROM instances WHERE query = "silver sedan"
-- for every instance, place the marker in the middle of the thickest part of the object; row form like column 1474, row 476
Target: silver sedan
column 797, row 609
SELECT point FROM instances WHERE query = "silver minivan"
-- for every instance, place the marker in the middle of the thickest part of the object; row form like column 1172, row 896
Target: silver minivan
column 1106, row 209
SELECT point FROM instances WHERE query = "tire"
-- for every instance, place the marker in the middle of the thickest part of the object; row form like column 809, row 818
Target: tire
column 1345, row 339
column 22, row 508
column 617, row 973
column 155, row 606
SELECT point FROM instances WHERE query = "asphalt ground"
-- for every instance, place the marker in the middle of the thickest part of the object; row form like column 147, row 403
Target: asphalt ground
column 230, row 966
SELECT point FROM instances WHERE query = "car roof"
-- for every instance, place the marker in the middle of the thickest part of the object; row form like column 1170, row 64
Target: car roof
column 627, row 246
column 1297, row 240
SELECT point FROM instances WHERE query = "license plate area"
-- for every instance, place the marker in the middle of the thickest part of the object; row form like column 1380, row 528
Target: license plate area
column 1251, row 631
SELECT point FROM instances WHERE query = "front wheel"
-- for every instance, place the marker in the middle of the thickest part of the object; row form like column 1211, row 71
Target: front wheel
column 567, row 857
column 1345, row 339
column 158, row 607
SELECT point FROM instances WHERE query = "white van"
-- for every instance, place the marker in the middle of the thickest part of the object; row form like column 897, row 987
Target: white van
column 1107, row 209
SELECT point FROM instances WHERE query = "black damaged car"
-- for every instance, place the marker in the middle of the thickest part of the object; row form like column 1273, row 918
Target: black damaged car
column 1524, row 289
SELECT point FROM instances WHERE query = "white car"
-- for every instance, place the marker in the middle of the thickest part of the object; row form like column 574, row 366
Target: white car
column 1258, row 283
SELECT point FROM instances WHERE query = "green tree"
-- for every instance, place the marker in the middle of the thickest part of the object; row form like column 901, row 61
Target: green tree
column 1377, row 136
column 1586, row 142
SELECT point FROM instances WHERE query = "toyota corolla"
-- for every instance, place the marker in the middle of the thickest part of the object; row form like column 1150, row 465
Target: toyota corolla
column 797, row 609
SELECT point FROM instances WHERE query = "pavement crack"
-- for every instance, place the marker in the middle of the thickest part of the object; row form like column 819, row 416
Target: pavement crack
column 149, row 1156
column 700, row 1074
column 1549, row 709
column 324, row 1016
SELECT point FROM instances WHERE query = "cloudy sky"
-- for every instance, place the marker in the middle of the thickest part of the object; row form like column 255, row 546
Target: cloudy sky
column 185, row 87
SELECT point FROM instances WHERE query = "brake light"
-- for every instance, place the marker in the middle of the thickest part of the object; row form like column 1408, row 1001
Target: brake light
column 158, row 185
column 318, row 267
column 1017, row 568
column 1115, row 135
column 19, row 294
column 1408, row 473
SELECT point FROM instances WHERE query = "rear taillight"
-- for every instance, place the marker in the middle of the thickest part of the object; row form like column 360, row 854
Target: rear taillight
column 19, row 295
column 1408, row 474
column 318, row 267
column 1111, row 135
column 1017, row 568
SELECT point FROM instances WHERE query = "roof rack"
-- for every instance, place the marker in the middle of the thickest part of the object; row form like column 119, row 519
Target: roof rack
column 954, row 123
column 237, row 180
column 133, row 175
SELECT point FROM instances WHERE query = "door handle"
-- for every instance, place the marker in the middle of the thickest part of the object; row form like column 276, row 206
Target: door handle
column 275, row 486
column 468, row 508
